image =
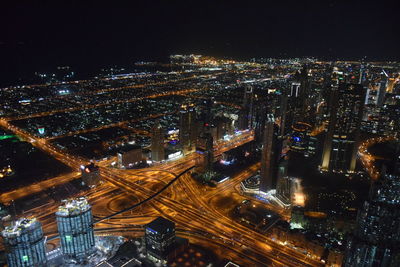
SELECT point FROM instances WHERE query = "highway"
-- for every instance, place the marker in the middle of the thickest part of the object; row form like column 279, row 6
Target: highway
column 180, row 199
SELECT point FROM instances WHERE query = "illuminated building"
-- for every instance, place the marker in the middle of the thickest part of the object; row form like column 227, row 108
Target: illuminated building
column 129, row 156
column 283, row 187
column 294, row 89
column 380, row 99
column 298, row 96
column 300, row 136
column 205, row 147
column 157, row 143
column 160, row 239
column 269, row 156
column 187, row 128
column 283, row 113
column 376, row 240
column 340, row 146
column 209, row 153
column 75, row 227
column 24, row 243
column 246, row 113
column 90, row 174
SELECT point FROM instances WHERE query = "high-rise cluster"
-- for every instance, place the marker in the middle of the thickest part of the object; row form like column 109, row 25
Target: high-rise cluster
column 25, row 243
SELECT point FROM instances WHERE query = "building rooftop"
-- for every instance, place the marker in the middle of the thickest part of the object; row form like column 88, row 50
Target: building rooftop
column 160, row 225
column 128, row 148
column 20, row 226
column 72, row 207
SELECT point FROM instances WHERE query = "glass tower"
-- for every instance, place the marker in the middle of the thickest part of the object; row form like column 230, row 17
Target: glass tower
column 75, row 226
column 24, row 243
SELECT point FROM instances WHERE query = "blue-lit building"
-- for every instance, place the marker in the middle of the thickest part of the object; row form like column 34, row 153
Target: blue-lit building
column 75, row 226
column 376, row 241
column 160, row 239
column 24, row 243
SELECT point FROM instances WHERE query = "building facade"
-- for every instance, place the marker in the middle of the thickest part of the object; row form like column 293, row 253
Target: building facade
column 342, row 137
column 157, row 143
column 75, row 226
column 376, row 241
column 160, row 239
column 24, row 243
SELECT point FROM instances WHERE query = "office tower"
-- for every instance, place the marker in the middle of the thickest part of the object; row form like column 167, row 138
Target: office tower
column 294, row 89
column 299, row 95
column 269, row 155
column 187, row 130
column 24, row 243
column 380, row 99
column 376, row 240
column 300, row 136
column 361, row 76
column 209, row 152
column 283, row 113
column 128, row 156
column 157, row 142
column 341, row 140
column 260, row 111
column 283, row 187
column 246, row 119
column 248, row 104
column 75, row 226
column 160, row 239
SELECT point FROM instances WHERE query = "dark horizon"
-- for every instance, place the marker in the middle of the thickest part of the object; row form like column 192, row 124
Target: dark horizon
column 90, row 35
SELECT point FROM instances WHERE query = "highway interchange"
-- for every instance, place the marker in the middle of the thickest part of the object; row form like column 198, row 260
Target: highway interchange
column 186, row 202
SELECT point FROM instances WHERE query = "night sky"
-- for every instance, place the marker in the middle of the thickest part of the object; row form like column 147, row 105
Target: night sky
column 39, row 36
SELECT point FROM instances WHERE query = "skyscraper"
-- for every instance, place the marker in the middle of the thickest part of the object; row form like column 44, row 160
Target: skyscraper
column 376, row 240
column 75, row 226
column 209, row 153
column 160, row 238
column 24, row 243
column 340, row 146
column 283, row 187
column 269, row 156
column 187, row 128
column 157, row 142
column 283, row 109
column 246, row 116
column 380, row 99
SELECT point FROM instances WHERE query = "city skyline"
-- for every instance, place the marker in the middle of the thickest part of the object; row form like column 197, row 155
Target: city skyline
column 212, row 134
column 41, row 36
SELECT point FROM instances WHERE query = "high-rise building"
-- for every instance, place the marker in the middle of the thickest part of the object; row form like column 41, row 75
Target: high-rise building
column 187, row 128
column 283, row 109
column 380, row 99
column 157, row 142
column 246, row 116
column 75, row 226
column 269, row 155
column 298, row 96
column 24, row 243
column 346, row 110
column 376, row 240
column 209, row 153
column 160, row 239
column 283, row 187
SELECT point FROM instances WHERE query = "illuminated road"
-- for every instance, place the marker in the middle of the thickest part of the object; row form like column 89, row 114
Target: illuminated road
column 185, row 202
column 194, row 216
column 38, row 187
column 367, row 158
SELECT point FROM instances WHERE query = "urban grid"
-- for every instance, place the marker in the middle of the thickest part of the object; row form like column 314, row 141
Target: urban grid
column 202, row 160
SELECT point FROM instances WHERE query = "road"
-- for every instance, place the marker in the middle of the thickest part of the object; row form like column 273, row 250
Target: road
column 185, row 202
